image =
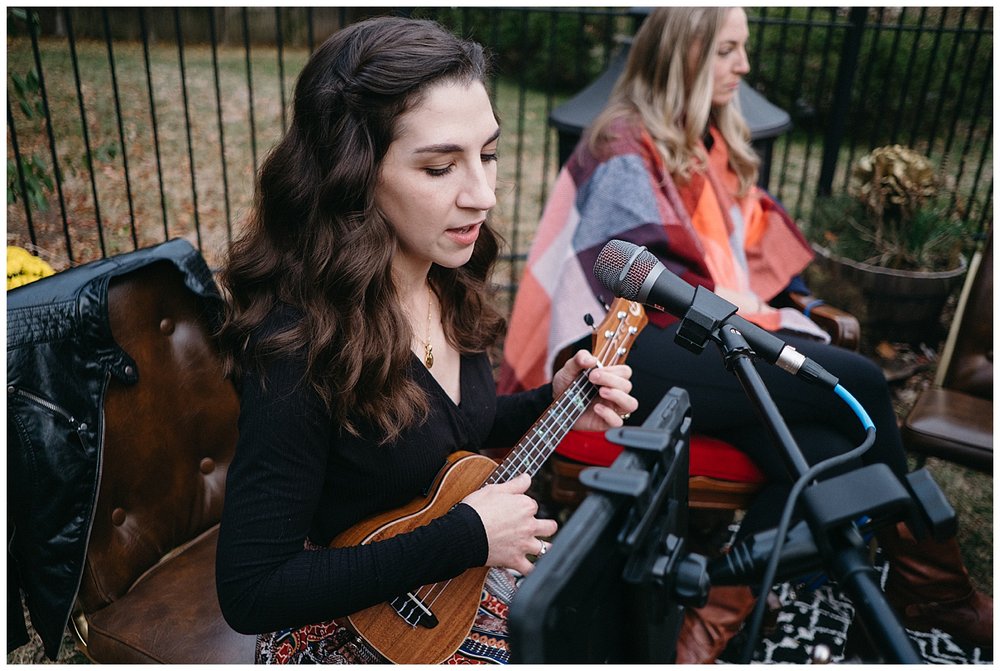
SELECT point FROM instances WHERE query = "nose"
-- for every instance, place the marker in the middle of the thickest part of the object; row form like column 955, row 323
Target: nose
column 742, row 66
column 479, row 189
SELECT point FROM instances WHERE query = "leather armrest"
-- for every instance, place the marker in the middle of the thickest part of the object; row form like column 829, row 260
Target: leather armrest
column 843, row 327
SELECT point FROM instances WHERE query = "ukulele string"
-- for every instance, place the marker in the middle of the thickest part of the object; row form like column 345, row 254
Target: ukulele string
column 514, row 464
column 558, row 417
column 429, row 593
column 563, row 416
column 442, row 587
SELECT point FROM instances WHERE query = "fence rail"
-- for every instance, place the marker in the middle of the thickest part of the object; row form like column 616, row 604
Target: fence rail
column 127, row 127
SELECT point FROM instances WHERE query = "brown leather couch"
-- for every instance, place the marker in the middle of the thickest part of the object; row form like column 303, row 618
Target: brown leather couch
column 953, row 418
column 148, row 589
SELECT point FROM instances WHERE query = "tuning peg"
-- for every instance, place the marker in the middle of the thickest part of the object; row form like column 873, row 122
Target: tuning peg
column 588, row 319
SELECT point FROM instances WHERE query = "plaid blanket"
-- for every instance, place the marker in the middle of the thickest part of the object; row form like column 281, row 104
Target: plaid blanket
column 696, row 229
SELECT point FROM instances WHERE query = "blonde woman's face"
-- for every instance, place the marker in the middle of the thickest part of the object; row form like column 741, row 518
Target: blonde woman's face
column 730, row 63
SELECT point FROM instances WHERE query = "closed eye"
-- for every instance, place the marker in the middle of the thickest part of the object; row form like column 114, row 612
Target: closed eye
column 439, row 172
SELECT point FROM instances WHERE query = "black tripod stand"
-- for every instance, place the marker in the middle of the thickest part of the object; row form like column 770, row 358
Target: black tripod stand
column 831, row 509
column 614, row 583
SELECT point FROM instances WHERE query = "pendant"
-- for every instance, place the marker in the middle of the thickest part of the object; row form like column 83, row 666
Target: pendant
column 428, row 355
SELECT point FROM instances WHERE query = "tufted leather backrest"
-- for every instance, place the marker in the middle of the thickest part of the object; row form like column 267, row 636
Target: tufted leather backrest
column 168, row 438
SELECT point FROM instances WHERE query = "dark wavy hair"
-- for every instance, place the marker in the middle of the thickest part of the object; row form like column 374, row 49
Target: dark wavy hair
column 315, row 241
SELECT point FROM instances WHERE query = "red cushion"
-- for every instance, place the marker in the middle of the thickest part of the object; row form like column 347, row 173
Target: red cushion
column 716, row 458
column 710, row 457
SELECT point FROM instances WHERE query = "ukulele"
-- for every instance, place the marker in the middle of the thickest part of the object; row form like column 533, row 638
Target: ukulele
column 427, row 625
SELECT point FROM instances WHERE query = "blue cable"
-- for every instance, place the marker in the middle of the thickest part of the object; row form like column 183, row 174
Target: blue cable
column 852, row 402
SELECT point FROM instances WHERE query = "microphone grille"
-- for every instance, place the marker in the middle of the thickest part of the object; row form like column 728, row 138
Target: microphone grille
column 623, row 267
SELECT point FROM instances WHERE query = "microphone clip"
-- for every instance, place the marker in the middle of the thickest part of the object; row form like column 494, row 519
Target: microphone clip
column 707, row 312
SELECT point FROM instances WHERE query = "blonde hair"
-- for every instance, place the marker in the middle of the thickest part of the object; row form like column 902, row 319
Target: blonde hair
column 668, row 84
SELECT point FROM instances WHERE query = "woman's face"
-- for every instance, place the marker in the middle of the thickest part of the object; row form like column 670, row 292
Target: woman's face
column 730, row 63
column 439, row 175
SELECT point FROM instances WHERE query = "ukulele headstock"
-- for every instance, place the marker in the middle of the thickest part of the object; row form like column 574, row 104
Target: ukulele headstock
column 616, row 334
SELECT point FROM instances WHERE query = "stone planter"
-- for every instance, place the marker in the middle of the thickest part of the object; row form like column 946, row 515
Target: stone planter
column 894, row 305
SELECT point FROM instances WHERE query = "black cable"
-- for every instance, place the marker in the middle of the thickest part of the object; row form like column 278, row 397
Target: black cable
column 757, row 617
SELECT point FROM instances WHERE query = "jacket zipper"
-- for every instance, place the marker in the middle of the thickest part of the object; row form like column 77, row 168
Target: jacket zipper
column 50, row 406
column 93, row 505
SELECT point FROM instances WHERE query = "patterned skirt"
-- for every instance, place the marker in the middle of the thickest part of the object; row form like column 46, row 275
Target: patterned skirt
column 334, row 643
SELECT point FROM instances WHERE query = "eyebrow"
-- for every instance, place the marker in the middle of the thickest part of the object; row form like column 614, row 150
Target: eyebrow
column 451, row 148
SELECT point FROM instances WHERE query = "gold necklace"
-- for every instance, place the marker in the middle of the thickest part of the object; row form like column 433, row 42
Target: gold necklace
column 428, row 350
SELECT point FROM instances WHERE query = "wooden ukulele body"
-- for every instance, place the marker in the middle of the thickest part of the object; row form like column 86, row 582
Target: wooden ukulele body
column 455, row 609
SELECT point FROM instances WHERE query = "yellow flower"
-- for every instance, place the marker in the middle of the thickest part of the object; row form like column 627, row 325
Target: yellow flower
column 24, row 267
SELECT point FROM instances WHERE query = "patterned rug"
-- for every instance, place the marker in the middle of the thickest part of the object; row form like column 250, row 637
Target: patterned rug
column 825, row 616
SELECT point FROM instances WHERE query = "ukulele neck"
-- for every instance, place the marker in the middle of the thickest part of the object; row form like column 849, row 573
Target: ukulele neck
column 545, row 434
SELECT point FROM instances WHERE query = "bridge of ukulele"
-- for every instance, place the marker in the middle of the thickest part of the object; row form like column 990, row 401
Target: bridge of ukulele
column 413, row 611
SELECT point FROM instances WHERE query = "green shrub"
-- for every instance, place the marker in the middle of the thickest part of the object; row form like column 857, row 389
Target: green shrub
column 547, row 49
column 894, row 215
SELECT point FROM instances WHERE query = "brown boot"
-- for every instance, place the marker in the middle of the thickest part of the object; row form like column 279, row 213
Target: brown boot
column 707, row 630
column 929, row 587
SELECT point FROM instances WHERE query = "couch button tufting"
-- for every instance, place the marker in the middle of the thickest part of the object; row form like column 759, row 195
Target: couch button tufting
column 207, row 465
column 167, row 326
column 118, row 516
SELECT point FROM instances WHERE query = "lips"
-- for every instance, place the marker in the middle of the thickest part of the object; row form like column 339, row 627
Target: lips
column 464, row 235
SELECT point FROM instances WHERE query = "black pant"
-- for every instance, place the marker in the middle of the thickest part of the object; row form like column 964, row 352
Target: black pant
column 821, row 423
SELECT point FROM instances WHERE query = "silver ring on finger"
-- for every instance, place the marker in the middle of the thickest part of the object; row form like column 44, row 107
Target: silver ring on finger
column 542, row 549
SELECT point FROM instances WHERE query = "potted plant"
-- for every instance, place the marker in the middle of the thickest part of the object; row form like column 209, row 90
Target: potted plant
column 892, row 245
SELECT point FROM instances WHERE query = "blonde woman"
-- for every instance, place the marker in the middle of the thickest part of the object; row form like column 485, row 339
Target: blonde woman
column 668, row 165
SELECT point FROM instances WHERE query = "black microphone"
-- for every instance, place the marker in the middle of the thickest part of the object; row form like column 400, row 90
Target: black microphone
column 632, row 272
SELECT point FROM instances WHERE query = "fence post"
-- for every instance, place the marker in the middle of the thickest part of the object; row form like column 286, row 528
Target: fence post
column 841, row 99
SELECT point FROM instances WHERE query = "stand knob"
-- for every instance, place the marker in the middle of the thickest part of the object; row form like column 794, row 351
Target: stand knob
column 691, row 583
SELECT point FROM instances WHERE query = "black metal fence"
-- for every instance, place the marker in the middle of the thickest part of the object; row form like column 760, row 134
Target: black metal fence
column 127, row 127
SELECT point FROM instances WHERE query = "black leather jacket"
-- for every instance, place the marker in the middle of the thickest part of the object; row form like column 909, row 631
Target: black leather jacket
column 60, row 358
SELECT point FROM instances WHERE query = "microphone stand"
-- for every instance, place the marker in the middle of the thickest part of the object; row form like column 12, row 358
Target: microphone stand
column 830, row 507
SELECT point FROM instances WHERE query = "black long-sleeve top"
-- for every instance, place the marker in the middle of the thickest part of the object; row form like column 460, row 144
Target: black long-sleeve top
column 295, row 476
